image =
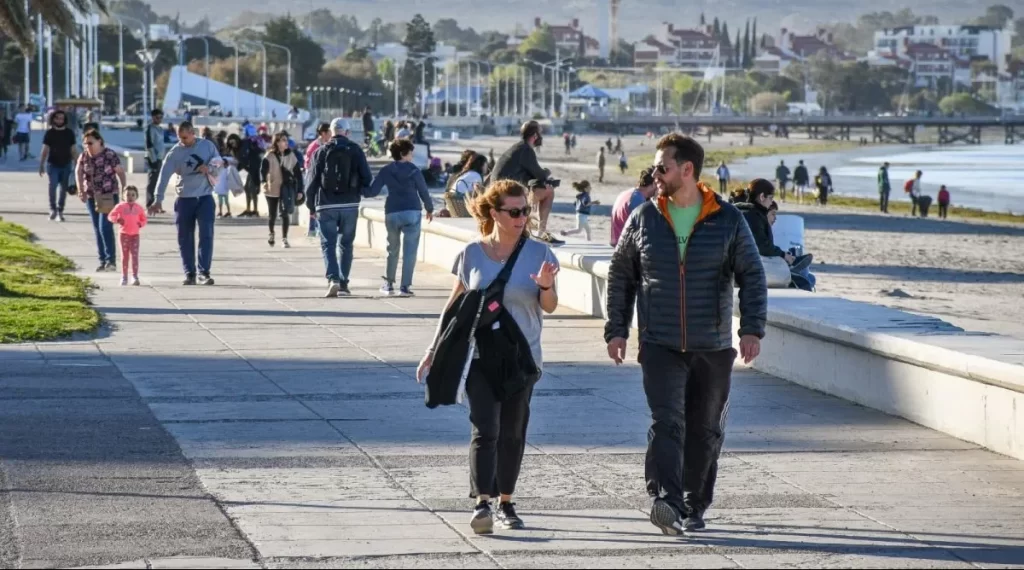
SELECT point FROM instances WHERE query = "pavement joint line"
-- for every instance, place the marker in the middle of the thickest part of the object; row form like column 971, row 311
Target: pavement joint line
column 857, row 512
column 369, row 456
column 257, row 555
column 373, row 460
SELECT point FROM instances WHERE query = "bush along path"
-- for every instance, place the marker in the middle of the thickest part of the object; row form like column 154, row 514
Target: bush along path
column 39, row 298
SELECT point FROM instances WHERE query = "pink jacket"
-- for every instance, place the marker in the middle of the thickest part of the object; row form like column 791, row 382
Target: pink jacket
column 310, row 151
column 132, row 214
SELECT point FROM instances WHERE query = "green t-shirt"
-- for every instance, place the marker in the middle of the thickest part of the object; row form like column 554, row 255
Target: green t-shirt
column 683, row 220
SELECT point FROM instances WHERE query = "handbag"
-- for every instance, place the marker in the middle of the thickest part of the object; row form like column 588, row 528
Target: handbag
column 104, row 202
column 453, row 355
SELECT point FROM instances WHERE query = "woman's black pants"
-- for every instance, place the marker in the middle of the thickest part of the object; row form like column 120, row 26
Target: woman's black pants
column 499, row 437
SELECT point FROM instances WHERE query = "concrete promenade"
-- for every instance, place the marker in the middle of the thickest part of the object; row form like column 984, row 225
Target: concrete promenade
column 256, row 424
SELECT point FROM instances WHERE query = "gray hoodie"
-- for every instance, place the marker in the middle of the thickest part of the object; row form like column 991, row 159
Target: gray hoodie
column 185, row 162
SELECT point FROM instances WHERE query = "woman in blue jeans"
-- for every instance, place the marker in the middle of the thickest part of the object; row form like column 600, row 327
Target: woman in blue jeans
column 407, row 190
column 100, row 178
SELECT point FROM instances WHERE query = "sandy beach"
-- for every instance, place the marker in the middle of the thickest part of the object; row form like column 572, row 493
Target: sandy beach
column 968, row 273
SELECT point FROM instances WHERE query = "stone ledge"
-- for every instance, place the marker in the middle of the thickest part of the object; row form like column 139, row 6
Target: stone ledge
column 966, row 384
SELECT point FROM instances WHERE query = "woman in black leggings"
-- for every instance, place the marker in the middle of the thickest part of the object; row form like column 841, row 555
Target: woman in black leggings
column 282, row 176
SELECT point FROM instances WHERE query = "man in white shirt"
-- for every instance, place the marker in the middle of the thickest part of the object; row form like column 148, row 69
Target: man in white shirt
column 23, row 132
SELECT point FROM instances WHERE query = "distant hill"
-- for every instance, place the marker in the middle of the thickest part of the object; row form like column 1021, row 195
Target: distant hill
column 638, row 18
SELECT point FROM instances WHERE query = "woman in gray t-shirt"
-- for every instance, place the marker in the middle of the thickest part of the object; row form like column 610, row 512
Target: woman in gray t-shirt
column 499, row 427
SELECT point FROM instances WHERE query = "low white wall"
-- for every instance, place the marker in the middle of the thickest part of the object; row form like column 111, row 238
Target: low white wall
column 914, row 367
column 979, row 410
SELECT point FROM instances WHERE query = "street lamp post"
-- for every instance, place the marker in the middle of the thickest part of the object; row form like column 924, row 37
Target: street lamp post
column 288, row 94
column 148, row 56
column 146, row 77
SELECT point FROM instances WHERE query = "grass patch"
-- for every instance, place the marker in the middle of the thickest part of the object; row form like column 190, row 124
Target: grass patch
column 39, row 299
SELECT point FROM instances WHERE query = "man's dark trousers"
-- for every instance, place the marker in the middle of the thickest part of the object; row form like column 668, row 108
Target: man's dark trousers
column 153, row 177
column 688, row 394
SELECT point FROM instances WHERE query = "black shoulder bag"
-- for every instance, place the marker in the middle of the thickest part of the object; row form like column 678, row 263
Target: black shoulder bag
column 472, row 310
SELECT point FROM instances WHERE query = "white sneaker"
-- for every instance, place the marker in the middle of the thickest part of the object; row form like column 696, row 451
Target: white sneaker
column 387, row 289
column 135, row 281
column 53, row 215
column 60, row 216
column 124, row 281
column 284, row 243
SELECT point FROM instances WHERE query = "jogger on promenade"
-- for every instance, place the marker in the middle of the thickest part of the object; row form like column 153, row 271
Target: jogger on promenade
column 685, row 298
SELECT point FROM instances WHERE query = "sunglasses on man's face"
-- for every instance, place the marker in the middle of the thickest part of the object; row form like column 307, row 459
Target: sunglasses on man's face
column 516, row 213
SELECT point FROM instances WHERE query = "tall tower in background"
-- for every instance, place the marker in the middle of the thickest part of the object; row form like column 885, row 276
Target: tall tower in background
column 613, row 26
column 604, row 26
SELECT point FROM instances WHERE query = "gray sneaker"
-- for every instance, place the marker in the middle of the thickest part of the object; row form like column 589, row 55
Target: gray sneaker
column 53, row 215
column 60, row 216
column 387, row 289
column 332, row 289
column 483, row 519
column 343, row 290
column 665, row 517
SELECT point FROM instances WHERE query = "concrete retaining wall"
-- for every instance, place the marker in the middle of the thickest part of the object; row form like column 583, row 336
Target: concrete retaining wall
column 968, row 385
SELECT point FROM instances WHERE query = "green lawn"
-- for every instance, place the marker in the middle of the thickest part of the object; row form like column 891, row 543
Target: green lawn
column 39, row 299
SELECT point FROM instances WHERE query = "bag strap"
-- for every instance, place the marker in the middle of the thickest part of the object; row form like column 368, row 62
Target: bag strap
column 506, row 271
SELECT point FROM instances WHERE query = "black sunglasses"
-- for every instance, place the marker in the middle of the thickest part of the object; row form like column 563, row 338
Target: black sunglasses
column 516, row 213
column 660, row 169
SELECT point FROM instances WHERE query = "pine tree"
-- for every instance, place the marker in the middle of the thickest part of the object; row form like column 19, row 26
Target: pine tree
column 737, row 50
column 764, row 41
column 753, row 42
column 703, row 21
column 419, row 40
column 745, row 62
column 718, row 29
column 724, row 41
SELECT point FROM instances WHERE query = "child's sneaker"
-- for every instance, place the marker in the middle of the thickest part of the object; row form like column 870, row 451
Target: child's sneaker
column 124, row 281
column 135, row 281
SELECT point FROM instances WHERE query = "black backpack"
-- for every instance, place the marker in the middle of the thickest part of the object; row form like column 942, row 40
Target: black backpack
column 340, row 175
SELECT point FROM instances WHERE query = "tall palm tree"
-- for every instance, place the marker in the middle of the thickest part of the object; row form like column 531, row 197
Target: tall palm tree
column 15, row 23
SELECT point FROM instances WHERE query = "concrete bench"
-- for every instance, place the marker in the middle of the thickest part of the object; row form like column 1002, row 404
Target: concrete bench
column 133, row 161
column 969, row 385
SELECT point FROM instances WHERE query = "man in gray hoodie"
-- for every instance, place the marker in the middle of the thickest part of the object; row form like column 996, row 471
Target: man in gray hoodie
column 192, row 160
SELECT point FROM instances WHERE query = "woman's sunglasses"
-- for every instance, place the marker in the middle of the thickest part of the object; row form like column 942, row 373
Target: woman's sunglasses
column 516, row 213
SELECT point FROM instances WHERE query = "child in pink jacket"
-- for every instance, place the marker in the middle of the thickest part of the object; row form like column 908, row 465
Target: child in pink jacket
column 131, row 217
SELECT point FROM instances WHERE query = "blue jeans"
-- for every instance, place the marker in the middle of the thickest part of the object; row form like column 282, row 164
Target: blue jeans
column 59, row 177
column 337, row 232
column 106, row 243
column 404, row 226
column 189, row 212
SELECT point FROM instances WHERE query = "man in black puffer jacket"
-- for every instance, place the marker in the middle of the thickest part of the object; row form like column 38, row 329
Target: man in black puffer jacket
column 676, row 260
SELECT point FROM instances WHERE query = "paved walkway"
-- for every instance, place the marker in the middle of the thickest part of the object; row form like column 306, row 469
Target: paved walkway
column 296, row 437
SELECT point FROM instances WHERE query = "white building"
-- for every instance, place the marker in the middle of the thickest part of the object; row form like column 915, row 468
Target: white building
column 928, row 62
column 965, row 42
column 569, row 39
column 690, row 49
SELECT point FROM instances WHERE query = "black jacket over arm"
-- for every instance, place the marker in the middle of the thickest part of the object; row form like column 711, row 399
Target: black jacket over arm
column 686, row 306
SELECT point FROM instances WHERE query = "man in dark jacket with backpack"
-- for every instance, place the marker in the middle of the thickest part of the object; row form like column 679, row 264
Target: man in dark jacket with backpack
column 339, row 179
